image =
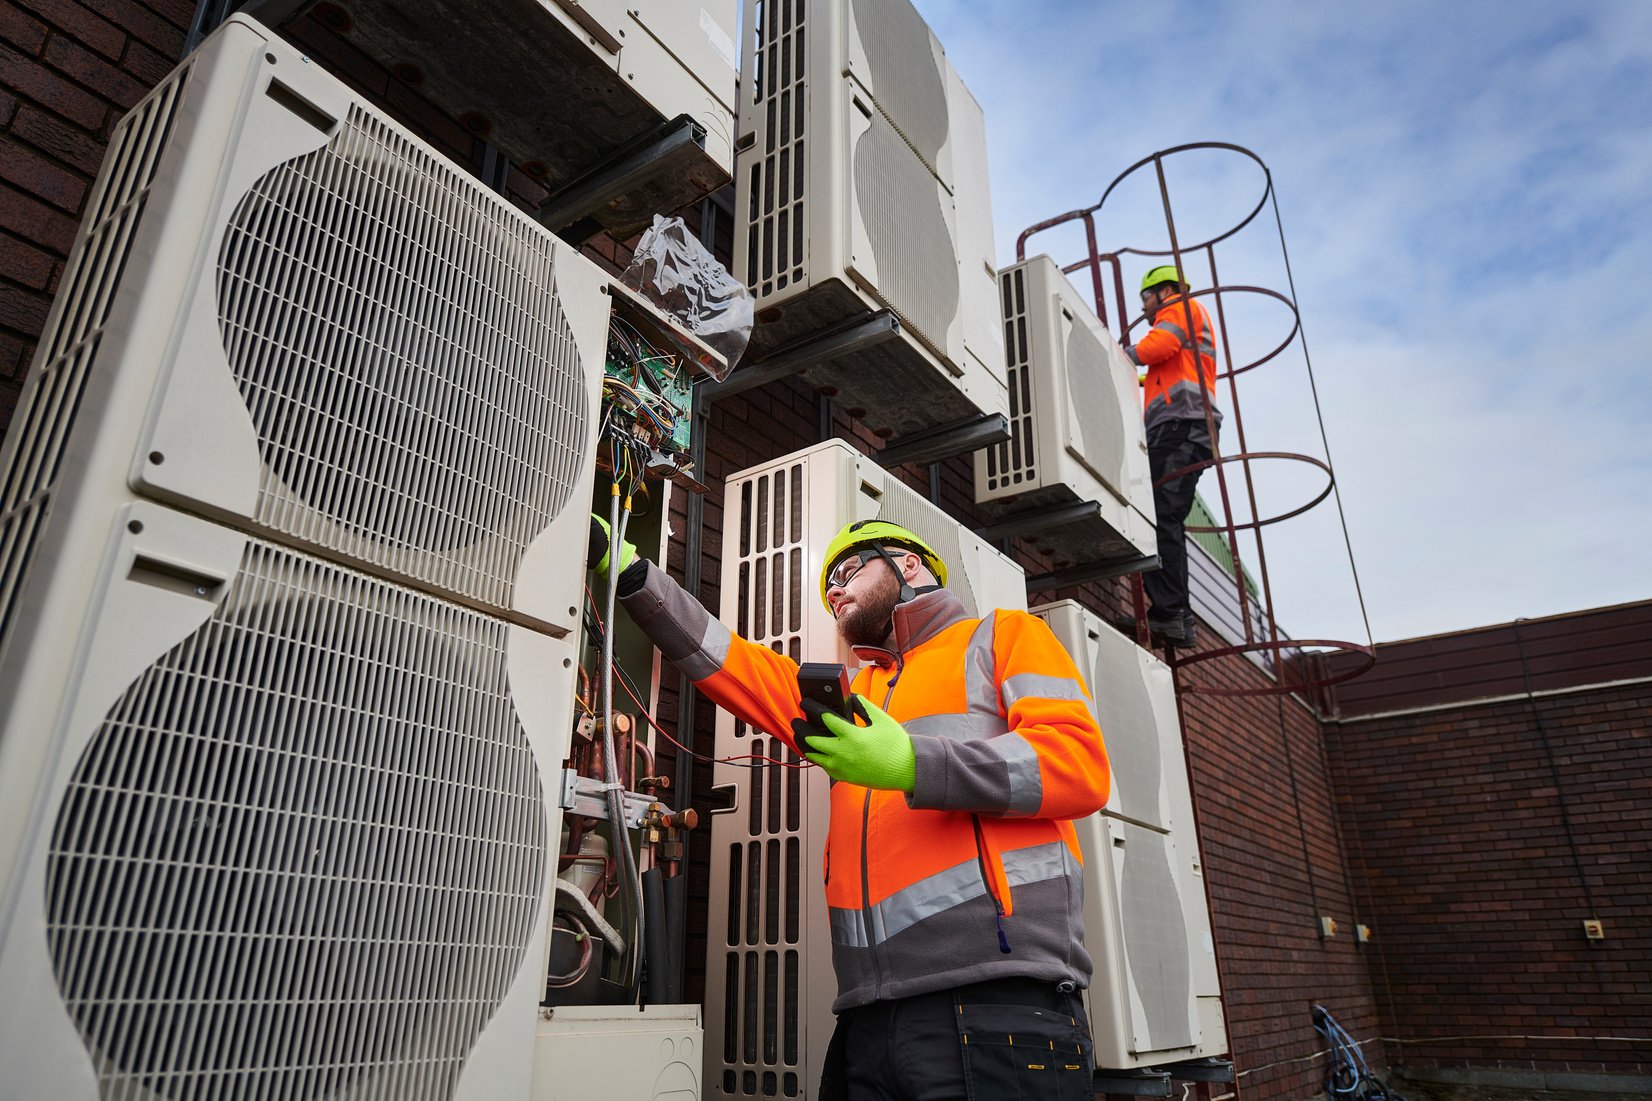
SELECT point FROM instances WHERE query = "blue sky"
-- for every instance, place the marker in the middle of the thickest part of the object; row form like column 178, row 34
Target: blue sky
column 1466, row 193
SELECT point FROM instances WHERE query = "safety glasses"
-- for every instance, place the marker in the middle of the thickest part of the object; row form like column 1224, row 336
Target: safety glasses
column 845, row 571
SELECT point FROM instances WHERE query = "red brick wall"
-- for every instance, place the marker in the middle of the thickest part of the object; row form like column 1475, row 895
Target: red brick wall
column 1456, row 818
column 1274, row 863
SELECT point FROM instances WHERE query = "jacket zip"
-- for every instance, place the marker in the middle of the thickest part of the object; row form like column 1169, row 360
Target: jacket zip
column 986, row 881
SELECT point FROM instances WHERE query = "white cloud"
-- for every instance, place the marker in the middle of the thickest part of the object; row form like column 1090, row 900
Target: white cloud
column 1463, row 190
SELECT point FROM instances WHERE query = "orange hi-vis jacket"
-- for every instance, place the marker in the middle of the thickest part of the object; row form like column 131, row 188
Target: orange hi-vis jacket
column 1169, row 356
column 977, row 873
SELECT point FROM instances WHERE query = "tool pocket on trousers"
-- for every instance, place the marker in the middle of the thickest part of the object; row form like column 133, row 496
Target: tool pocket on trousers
column 1021, row 1051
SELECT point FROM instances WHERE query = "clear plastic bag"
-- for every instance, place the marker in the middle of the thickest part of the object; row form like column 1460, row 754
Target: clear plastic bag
column 676, row 273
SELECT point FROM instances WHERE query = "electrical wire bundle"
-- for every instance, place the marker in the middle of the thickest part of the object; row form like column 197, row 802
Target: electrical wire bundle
column 1347, row 1075
column 641, row 381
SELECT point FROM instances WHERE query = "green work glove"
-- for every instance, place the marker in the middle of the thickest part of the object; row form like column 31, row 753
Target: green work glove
column 596, row 548
column 876, row 755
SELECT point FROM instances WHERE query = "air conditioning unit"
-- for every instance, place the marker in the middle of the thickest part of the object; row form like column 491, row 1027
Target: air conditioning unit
column 286, row 642
column 769, row 979
column 290, row 315
column 1155, row 997
column 564, row 87
column 861, row 184
column 1076, row 435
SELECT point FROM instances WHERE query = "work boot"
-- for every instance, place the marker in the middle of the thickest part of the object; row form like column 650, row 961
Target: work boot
column 1172, row 630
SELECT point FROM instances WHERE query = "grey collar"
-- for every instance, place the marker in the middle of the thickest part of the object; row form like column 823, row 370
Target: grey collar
column 914, row 623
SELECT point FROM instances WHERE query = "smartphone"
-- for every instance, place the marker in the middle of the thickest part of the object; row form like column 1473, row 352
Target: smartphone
column 827, row 683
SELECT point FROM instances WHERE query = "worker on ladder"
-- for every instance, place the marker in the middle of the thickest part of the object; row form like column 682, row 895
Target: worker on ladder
column 1179, row 410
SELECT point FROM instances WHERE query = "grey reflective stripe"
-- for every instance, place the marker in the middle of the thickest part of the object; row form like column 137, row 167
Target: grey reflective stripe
column 929, row 896
column 712, row 654
column 847, row 929
column 960, row 728
column 980, row 684
column 1039, row 686
column 942, row 891
column 1173, row 329
column 906, row 907
column 1037, row 863
column 1021, row 763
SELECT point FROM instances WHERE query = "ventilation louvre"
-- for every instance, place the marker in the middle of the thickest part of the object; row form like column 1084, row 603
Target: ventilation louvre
column 29, row 464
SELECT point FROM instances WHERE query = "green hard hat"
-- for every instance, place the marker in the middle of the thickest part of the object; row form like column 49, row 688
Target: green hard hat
column 1164, row 273
column 876, row 533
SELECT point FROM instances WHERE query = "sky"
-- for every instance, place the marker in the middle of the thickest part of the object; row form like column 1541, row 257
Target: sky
column 1465, row 194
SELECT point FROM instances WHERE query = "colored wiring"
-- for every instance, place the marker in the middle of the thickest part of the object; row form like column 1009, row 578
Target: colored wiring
column 1347, row 1075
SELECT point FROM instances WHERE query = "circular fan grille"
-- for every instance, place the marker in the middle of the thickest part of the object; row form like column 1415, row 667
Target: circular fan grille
column 397, row 337
column 306, row 847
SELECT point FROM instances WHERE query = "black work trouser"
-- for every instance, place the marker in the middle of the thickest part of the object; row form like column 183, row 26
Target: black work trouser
column 991, row 1041
column 1172, row 445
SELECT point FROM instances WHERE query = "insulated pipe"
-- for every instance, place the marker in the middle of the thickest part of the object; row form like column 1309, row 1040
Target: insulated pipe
column 610, row 758
column 676, row 908
column 656, row 965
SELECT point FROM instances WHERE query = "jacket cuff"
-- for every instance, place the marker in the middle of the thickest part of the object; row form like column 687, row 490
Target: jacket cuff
column 932, row 774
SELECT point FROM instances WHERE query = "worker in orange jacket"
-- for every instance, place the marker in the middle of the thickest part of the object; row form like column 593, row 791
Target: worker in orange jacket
column 1178, row 352
column 953, row 872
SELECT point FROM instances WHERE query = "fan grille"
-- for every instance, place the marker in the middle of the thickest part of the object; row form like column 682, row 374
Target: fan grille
column 305, row 849
column 397, row 336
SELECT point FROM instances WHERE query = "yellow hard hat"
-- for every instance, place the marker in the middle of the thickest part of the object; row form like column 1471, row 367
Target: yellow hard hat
column 1164, row 273
column 876, row 533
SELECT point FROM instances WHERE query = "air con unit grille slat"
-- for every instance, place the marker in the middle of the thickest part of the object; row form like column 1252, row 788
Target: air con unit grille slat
column 900, row 207
column 46, row 415
column 777, row 239
column 303, row 854
column 1092, row 391
column 905, row 81
column 405, row 416
column 1015, row 461
column 762, row 1013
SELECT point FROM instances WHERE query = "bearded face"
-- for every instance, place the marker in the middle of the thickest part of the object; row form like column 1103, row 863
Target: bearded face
column 866, row 620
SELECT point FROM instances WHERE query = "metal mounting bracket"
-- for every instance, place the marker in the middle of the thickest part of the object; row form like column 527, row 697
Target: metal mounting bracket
column 968, row 434
column 1100, row 571
column 620, row 172
column 852, row 336
column 1132, row 1083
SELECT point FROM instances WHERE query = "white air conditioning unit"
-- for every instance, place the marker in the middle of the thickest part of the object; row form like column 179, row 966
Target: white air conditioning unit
column 1076, row 435
column 861, row 184
column 769, row 980
column 286, row 645
column 563, row 87
column 1155, row 997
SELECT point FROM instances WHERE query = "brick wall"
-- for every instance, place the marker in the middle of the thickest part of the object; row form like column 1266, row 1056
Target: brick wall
column 1458, row 822
column 1274, row 862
